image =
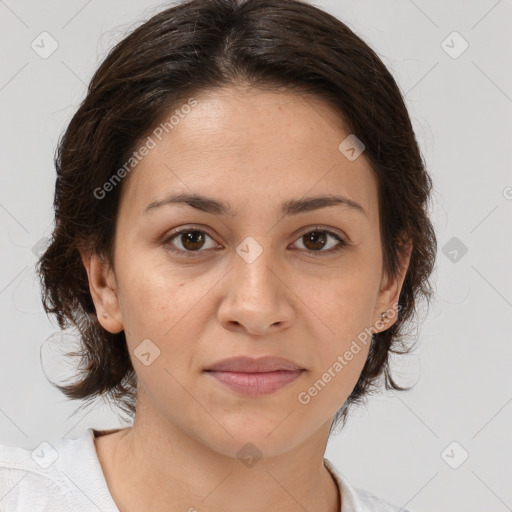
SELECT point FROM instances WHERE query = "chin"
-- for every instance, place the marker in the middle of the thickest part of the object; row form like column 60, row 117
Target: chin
column 255, row 439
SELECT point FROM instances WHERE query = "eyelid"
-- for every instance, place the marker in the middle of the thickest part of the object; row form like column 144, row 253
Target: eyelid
column 320, row 227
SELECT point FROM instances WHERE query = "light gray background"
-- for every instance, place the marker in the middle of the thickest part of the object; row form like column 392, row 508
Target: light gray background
column 460, row 109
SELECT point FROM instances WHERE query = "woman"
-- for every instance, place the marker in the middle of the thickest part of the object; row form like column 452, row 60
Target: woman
column 241, row 237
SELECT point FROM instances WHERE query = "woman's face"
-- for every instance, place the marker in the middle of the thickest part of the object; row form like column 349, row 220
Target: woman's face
column 250, row 282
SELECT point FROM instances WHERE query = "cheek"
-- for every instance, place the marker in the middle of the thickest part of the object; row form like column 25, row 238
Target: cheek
column 339, row 358
column 148, row 293
column 159, row 304
column 329, row 386
column 341, row 316
column 344, row 300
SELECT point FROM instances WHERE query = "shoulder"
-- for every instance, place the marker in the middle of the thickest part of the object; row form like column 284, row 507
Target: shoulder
column 354, row 499
column 25, row 484
column 372, row 503
column 50, row 477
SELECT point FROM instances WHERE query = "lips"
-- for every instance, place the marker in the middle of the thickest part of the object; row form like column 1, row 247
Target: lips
column 255, row 377
column 246, row 364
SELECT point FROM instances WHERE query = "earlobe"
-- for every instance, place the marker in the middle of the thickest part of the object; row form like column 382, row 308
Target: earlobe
column 104, row 292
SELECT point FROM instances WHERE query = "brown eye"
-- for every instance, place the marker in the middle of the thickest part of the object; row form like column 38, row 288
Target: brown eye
column 317, row 240
column 190, row 240
column 193, row 242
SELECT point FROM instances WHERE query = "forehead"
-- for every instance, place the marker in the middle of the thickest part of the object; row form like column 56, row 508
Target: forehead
column 250, row 147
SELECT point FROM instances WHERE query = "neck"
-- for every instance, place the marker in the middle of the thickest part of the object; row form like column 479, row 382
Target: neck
column 155, row 465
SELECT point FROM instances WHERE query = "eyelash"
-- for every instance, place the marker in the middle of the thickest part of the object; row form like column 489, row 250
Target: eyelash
column 318, row 229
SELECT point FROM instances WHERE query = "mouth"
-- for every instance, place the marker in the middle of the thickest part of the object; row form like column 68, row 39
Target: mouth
column 256, row 383
column 255, row 377
column 248, row 364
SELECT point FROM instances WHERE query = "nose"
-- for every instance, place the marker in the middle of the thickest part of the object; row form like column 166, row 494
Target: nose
column 257, row 298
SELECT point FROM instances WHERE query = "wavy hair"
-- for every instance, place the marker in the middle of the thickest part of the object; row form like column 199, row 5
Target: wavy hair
column 193, row 47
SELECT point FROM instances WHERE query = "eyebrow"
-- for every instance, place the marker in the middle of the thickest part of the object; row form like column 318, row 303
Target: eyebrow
column 290, row 207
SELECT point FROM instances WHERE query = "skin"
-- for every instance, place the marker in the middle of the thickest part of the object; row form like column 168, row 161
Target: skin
column 252, row 149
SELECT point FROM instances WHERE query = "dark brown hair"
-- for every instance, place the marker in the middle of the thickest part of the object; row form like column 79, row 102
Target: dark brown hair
column 194, row 47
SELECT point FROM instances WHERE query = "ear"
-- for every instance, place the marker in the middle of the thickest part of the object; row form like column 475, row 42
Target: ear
column 389, row 293
column 104, row 292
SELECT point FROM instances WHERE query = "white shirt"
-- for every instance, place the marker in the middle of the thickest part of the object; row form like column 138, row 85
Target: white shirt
column 65, row 475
